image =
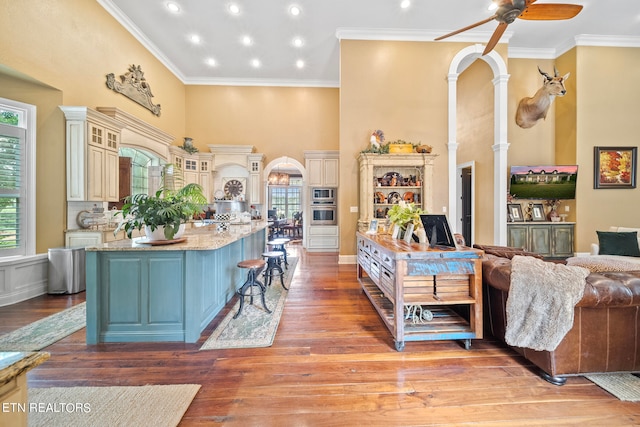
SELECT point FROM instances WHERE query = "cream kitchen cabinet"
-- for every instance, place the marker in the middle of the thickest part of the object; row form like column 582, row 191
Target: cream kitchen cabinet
column 92, row 142
column 322, row 168
column 256, row 182
column 196, row 168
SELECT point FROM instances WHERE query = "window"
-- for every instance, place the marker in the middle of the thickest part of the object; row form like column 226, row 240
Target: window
column 17, row 178
column 141, row 160
column 286, row 199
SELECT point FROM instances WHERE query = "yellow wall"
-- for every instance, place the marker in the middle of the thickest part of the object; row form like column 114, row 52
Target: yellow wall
column 475, row 136
column 399, row 87
column 278, row 121
column 607, row 115
column 60, row 54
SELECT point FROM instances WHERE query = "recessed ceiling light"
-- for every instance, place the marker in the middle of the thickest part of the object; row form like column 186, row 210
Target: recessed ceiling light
column 211, row 62
column 195, row 39
column 294, row 10
column 255, row 63
column 298, row 42
column 234, row 9
column 405, row 4
column 247, row 40
column 172, row 7
column 300, row 63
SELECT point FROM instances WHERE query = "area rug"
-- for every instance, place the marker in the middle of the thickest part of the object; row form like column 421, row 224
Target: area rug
column 254, row 327
column 44, row 332
column 624, row 386
column 149, row 405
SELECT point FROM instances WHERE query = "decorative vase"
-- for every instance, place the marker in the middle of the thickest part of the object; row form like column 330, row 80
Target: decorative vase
column 158, row 233
column 554, row 216
column 422, row 235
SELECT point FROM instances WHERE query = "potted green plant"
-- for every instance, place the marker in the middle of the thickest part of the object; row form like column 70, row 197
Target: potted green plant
column 167, row 210
column 404, row 213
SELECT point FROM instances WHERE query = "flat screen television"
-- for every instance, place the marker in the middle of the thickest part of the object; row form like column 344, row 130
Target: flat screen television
column 438, row 232
column 543, row 182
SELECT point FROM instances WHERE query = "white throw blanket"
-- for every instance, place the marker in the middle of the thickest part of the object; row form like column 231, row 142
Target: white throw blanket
column 541, row 302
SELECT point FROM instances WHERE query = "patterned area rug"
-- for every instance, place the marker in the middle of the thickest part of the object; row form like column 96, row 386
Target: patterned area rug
column 149, row 405
column 625, row 387
column 45, row 332
column 254, row 327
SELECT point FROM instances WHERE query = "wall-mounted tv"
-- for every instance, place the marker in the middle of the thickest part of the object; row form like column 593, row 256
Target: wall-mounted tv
column 543, row 182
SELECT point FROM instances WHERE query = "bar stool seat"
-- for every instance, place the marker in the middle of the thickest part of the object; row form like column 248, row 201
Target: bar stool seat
column 278, row 245
column 274, row 267
column 252, row 286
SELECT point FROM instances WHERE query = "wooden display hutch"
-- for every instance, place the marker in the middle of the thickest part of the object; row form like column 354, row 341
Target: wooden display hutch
column 399, row 277
column 387, row 178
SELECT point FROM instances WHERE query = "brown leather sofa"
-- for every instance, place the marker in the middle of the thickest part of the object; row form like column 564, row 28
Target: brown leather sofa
column 605, row 335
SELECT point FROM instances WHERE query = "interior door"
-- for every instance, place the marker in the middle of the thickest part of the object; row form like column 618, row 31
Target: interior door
column 466, row 213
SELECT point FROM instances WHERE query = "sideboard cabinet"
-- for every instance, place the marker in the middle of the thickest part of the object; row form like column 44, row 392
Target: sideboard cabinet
column 385, row 179
column 422, row 293
column 549, row 239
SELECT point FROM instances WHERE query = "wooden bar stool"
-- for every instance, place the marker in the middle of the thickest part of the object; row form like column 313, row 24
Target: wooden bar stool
column 252, row 286
column 278, row 245
column 274, row 267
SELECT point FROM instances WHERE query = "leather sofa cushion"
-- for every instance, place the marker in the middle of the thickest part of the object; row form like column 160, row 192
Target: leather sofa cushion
column 607, row 289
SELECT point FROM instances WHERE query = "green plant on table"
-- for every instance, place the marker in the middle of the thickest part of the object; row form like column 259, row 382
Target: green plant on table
column 168, row 208
column 404, row 213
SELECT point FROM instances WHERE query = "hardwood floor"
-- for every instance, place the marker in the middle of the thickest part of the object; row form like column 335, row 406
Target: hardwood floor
column 332, row 363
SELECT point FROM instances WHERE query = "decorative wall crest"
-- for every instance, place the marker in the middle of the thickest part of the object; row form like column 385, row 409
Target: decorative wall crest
column 134, row 86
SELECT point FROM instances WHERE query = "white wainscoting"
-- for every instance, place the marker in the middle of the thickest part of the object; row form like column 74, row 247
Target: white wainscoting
column 22, row 278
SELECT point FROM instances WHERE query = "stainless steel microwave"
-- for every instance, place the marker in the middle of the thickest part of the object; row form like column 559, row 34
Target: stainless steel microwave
column 324, row 215
column 323, row 196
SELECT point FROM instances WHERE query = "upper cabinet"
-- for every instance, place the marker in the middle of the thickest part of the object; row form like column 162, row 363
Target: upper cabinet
column 196, row 168
column 92, row 142
column 322, row 168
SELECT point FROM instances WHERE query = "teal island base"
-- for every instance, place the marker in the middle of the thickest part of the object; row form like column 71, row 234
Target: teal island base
column 138, row 292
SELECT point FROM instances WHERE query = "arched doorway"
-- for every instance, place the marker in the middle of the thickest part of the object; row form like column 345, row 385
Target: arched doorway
column 458, row 65
column 288, row 194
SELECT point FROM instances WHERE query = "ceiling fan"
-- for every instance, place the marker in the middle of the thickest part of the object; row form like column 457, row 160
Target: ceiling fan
column 508, row 10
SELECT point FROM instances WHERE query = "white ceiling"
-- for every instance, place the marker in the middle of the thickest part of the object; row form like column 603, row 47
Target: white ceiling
column 322, row 23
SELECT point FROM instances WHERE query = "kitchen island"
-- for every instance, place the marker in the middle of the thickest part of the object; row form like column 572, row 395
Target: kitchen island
column 139, row 292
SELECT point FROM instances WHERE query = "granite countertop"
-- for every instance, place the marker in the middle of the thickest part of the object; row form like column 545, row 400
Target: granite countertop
column 14, row 363
column 197, row 238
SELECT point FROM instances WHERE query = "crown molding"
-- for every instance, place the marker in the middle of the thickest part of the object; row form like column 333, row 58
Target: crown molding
column 205, row 81
column 119, row 16
column 531, row 53
column 607, row 41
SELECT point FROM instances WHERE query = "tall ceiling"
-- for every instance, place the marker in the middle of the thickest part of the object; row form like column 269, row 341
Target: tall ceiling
column 220, row 57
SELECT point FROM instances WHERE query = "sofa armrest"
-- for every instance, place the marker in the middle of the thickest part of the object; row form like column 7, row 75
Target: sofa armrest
column 595, row 248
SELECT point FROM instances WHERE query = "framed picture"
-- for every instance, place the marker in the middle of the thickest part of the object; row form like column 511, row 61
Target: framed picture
column 614, row 167
column 408, row 234
column 515, row 212
column 537, row 212
column 373, row 227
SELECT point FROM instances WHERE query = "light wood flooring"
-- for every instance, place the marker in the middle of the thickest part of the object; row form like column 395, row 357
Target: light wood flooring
column 333, row 363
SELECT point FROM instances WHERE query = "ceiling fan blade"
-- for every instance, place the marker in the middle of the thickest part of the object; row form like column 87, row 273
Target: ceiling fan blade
column 550, row 11
column 493, row 41
column 477, row 24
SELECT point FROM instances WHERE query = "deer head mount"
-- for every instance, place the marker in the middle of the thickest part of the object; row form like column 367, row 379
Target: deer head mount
column 532, row 109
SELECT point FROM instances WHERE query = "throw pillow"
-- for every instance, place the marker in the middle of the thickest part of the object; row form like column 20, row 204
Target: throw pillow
column 614, row 243
column 603, row 263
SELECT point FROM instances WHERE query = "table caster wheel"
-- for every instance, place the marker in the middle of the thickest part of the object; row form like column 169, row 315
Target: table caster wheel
column 399, row 345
